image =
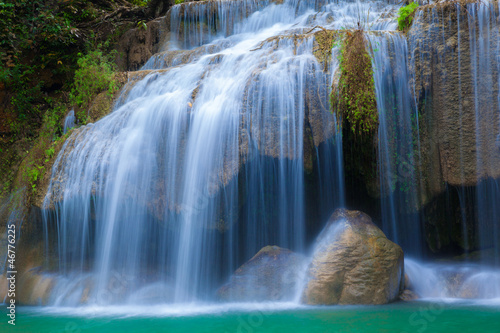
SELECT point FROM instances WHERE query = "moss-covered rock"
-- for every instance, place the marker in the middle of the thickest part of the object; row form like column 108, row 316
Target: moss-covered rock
column 353, row 96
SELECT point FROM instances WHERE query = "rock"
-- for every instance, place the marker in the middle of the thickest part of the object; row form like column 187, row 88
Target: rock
column 408, row 295
column 271, row 275
column 354, row 263
column 453, row 137
column 408, row 284
column 34, row 288
column 137, row 45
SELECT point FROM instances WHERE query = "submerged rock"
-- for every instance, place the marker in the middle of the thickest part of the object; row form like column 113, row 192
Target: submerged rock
column 271, row 275
column 408, row 295
column 354, row 263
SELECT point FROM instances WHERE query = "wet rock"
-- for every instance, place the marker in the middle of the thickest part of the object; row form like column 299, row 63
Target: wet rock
column 354, row 263
column 408, row 284
column 408, row 295
column 271, row 275
column 34, row 288
column 460, row 119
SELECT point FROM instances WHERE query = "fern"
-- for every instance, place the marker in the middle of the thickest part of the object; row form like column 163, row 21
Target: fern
column 406, row 15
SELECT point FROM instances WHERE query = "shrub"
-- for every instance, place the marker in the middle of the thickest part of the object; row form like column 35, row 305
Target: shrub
column 406, row 15
column 95, row 74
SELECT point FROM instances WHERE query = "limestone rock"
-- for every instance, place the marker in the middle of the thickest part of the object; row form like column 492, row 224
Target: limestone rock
column 354, row 263
column 408, row 295
column 137, row 45
column 460, row 126
column 271, row 275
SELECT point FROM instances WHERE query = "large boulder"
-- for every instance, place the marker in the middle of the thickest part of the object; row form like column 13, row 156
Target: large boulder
column 354, row 263
column 273, row 274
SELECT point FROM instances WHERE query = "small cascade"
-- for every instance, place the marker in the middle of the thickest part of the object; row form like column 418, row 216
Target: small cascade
column 69, row 121
column 196, row 23
column 398, row 141
column 452, row 280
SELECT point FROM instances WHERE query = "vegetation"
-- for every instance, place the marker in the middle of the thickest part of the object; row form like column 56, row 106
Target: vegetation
column 353, row 98
column 54, row 55
column 323, row 46
column 95, row 74
column 140, row 3
column 37, row 161
column 406, row 15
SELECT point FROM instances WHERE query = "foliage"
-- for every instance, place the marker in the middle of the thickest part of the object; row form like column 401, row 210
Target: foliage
column 37, row 161
column 325, row 41
column 140, row 3
column 36, row 39
column 406, row 15
column 142, row 25
column 353, row 98
column 95, row 74
column 42, row 43
column 179, row 1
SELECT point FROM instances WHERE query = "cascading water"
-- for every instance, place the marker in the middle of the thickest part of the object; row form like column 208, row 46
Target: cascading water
column 69, row 121
column 204, row 161
column 397, row 140
column 484, row 39
column 214, row 153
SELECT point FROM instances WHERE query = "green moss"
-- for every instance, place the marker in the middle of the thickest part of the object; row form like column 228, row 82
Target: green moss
column 353, row 98
column 406, row 15
column 323, row 45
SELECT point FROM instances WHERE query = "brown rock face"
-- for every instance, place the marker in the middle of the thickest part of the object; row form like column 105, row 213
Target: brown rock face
column 457, row 96
column 137, row 45
column 354, row 263
column 271, row 275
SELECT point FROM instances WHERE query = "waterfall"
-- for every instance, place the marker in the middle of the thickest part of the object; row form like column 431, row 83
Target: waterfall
column 484, row 40
column 224, row 142
column 203, row 161
column 69, row 121
column 398, row 140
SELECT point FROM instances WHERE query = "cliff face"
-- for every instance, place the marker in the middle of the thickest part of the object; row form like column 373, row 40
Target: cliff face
column 454, row 58
column 455, row 66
